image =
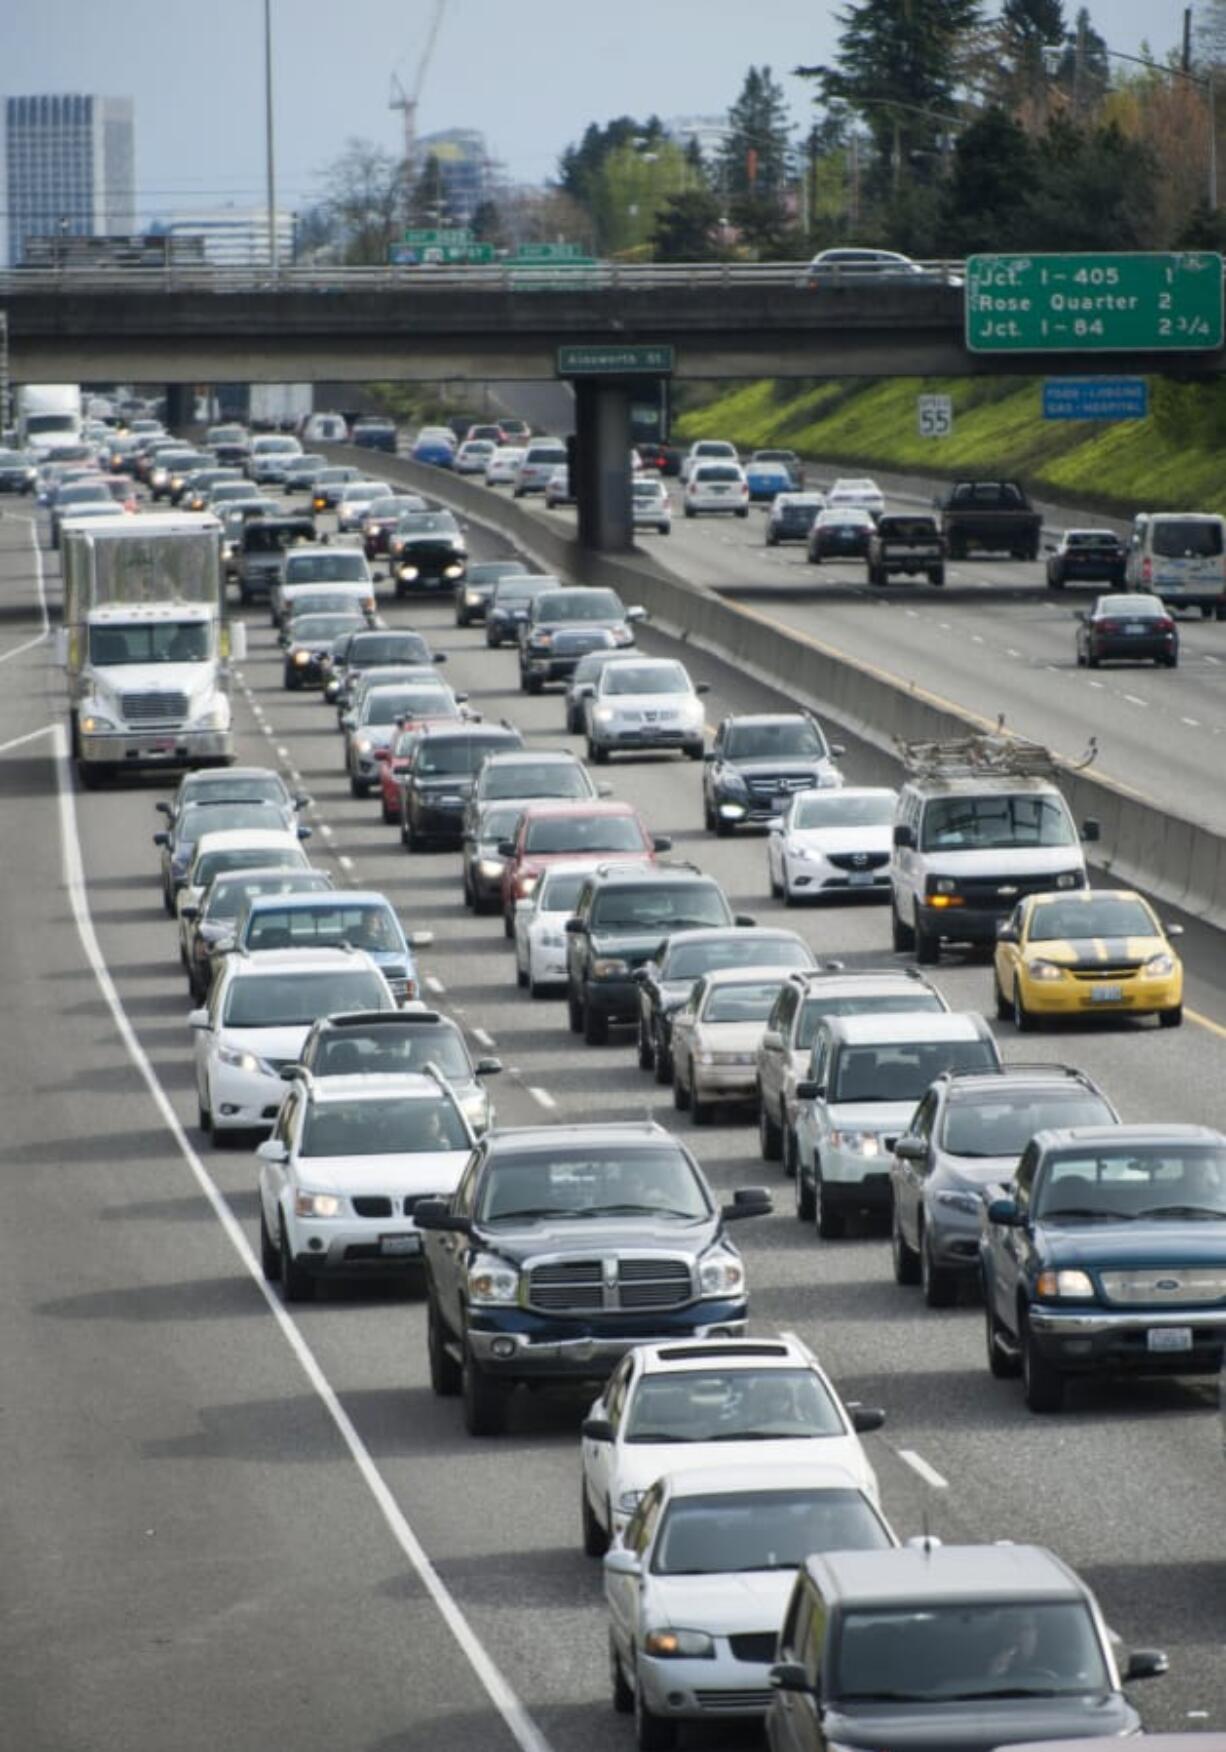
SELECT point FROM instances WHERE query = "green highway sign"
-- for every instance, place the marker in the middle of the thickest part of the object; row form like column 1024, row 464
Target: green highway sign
column 1094, row 303
column 550, row 252
column 615, row 361
column 457, row 238
column 416, row 255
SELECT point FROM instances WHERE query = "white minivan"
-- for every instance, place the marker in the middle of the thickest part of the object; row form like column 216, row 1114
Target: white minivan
column 1181, row 557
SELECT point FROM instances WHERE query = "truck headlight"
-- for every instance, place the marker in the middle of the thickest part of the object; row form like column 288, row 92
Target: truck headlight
column 609, row 967
column 408, row 573
column 453, row 571
column 214, row 717
column 317, row 1204
column 720, row 1274
column 492, row 1282
column 679, row 1645
column 1065, row 1285
column 95, row 722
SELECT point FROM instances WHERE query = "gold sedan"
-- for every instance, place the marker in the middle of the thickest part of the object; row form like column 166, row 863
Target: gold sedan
column 1095, row 951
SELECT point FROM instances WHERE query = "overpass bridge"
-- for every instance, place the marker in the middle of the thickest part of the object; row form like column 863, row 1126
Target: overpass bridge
column 516, row 323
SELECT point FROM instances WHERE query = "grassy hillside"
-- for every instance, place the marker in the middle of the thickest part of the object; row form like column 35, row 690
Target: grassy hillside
column 1172, row 460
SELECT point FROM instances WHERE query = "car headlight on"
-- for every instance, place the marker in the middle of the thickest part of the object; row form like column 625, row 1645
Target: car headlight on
column 1044, row 970
column 679, row 1645
column 857, row 1143
column 363, row 744
column 966, row 1202
column 720, row 1273
column 622, row 636
column 243, row 1060
column 318, row 1204
column 490, row 868
column 609, row 967
column 492, row 1282
column 1158, row 966
column 408, row 573
column 456, row 571
column 1065, row 1285
column 604, row 714
column 472, row 598
column 302, row 658
column 526, row 885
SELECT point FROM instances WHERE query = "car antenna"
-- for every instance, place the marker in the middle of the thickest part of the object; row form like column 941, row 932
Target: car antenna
column 926, row 1546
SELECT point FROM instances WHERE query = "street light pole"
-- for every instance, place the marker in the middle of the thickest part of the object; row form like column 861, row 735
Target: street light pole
column 268, row 141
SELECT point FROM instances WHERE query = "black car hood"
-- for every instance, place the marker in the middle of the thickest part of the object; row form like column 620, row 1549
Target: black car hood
column 589, row 1235
column 978, row 1726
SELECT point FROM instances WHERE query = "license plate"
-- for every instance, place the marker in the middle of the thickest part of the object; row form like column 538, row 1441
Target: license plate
column 1135, row 627
column 1106, row 994
column 860, row 878
column 400, row 1246
column 1169, row 1338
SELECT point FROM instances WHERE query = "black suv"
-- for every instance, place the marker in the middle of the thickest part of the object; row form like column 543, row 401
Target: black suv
column 756, row 763
column 564, row 625
column 517, row 1290
column 667, row 979
column 436, row 784
column 427, row 552
column 622, row 919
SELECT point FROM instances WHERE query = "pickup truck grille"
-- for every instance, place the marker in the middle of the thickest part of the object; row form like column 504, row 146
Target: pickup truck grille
column 609, row 1285
column 154, row 708
column 1174, row 1287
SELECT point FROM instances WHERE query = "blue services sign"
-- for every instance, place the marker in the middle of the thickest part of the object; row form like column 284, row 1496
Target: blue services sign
column 1095, row 398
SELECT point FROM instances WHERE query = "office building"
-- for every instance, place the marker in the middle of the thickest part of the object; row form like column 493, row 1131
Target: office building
column 68, row 168
column 234, row 237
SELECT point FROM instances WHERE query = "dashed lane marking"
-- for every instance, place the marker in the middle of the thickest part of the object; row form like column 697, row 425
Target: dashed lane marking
column 484, row 1036
column 435, row 985
column 542, row 1096
column 918, row 1464
column 40, row 582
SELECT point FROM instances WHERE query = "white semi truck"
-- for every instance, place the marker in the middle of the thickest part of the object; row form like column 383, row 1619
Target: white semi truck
column 48, row 414
column 146, row 643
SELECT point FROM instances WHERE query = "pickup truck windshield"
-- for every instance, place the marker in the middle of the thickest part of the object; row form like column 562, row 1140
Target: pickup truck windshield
column 762, row 1530
column 151, row 642
column 1176, row 1181
column 928, row 1652
column 334, row 567
column 592, row 1180
column 903, row 1073
column 579, row 605
column 994, row 823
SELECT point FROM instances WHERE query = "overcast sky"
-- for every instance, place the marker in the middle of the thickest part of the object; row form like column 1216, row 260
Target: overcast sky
column 530, row 73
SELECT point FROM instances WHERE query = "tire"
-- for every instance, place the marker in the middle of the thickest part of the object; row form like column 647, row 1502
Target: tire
column 830, row 1225
column 681, row 1094
column 574, row 1013
column 389, row 815
column 776, row 887
column 696, row 750
column 1171, row 1018
column 445, row 1372
column 359, row 787
column 664, row 528
column 905, row 1258
column 940, row 1284
column 204, row 1117
column 927, row 947
column 653, row 1733
column 486, row 1400
column 508, row 925
column 936, row 577
column 805, row 1206
column 689, row 512
column 903, row 935
column 168, row 905
column 623, row 1696
column 743, row 513
column 701, row 1112
column 531, row 684
column 1042, row 1382
column 1004, row 1009
column 664, row 1061
column 597, row 755
column 647, row 1051
column 1092, row 661
column 1023, row 1021
column 723, row 829
column 595, row 1538
column 270, row 1256
column 296, row 1284
column 1170, row 662
column 292, row 681
column 521, row 978
column 595, row 1026
column 770, row 1137
column 789, row 1153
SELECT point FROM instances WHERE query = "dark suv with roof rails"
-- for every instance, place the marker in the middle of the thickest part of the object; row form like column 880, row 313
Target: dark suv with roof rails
column 622, row 919
column 438, row 780
column 520, row 1291
column 565, row 624
column 393, row 1042
column 757, row 761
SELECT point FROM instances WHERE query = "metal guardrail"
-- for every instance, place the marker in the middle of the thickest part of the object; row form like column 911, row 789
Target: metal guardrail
column 497, row 277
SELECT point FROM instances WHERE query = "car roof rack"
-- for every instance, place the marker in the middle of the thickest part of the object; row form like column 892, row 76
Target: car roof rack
column 986, row 754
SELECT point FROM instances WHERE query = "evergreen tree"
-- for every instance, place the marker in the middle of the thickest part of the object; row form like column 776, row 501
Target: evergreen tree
column 1085, row 68
column 427, row 201
column 994, row 166
column 1030, row 28
column 686, row 228
column 755, row 158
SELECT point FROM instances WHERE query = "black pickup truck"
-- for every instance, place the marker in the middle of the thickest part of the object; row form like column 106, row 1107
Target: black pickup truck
column 991, row 516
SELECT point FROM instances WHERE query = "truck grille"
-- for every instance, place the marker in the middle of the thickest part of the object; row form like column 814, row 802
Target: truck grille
column 577, row 1286
column 373, row 1205
column 154, row 708
column 1005, row 891
column 1175, row 1287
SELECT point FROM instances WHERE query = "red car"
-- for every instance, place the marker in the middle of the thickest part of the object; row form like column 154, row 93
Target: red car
column 551, row 833
column 394, row 760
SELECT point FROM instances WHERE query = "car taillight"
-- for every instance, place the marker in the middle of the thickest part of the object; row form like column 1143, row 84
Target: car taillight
column 1108, row 626
column 1147, row 570
column 1166, row 626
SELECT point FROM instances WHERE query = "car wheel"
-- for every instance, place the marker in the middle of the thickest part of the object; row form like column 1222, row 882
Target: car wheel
column 1171, row 1018
column 905, row 1258
column 623, row 1696
column 595, row 1026
column 296, row 1284
column 521, row 976
column 1023, row 1021
column 831, row 1225
column 653, row 1733
column 389, row 815
column 903, row 935
column 681, row 1093
column 168, row 904
column 598, row 755
column 770, row 1138
column 1003, row 1362
column 486, row 1400
column 803, row 1190
column 270, row 1253
column 776, row 886
column 1004, row 1009
column 1171, row 662
column 574, row 1013
column 595, row 1537
column 445, row 1372
column 790, row 896
column 664, row 1061
column 508, row 926
column 1092, row 661
column 723, row 829
column 1042, row 1382
column 695, row 750
column 927, row 947
column 789, row 1152
column 940, row 1284
column 204, row 1117
column 647, row 1052
column 359, row 787
column 701, row 1112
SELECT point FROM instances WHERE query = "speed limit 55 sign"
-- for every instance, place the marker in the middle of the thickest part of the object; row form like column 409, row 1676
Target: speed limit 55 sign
column 936, row 416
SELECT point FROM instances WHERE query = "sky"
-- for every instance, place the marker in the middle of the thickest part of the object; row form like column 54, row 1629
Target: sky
column 530, row 74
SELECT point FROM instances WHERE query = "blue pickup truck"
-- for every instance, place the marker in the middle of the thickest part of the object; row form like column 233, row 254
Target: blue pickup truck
column 1108, row 1255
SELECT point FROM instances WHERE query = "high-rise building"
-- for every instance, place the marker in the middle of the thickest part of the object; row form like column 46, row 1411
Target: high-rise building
column 68, row 168
column 465, row 171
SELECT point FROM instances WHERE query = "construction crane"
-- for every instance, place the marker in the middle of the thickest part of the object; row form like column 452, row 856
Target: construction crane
column 405, row 101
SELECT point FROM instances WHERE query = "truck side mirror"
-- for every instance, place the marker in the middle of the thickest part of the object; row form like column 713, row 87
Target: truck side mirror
column 904, row 835
column 1091, row 831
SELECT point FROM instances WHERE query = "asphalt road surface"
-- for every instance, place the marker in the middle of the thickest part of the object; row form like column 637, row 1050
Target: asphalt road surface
column 222, row 1528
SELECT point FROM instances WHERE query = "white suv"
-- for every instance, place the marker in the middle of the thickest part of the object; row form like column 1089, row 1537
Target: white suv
column 647, row 703
column 536, row 465
column 716, row 486
column 708, row 450
column 259, row 1012
column 345, row 1167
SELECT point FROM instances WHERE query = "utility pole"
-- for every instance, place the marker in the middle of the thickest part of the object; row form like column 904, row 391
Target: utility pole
column 268, row 146
column 1186, row 59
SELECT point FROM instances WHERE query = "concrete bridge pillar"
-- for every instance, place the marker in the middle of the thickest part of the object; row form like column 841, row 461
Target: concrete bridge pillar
column 602, row 464
column 180, row 406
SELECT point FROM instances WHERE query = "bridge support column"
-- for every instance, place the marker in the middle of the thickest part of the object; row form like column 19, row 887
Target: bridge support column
column 180, row 406
column 602, row 464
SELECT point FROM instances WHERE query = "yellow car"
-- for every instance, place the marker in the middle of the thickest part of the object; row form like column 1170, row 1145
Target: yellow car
column 1095, row 950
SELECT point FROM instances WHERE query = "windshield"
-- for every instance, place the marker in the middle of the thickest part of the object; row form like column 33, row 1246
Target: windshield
column 498, row 824
column 762, row 1530
column 151, row 642
column 384, row 1127
column 585, row 833
column 391, row 1050
column 210, row 864
column 988, row 823
column 741, row 1003
column 732, row 1405
column 672, row 906
column 371, row 650
column 320, row 602
column 833, row 809
column 336, row 566
column 774, row 741
column 903, row 1072
column 1177, row 1181
column 1179, row 539
column 197, row 819
column 1003, row 1124
column 289, row 1000
column 1047, row 1648
column 438, row 758
column 738, row 949
column 560, row 894
column 865, row 1004
column 227, row 897
column 556, row 778
column 325, row 924
column 323, row 628
column 274, row 538
column 643, row 678
column 427, row 523
column 385, row 708
column 1111, row 916
column 592, row 1180
column 579, row 605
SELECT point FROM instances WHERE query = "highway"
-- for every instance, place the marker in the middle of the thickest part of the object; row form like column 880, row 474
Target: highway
column 223, row 1526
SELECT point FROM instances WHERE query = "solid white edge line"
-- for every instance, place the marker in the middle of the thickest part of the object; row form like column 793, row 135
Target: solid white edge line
column 519, row 1723
column 31, row 736
column 30, row 644
column 917, row 1463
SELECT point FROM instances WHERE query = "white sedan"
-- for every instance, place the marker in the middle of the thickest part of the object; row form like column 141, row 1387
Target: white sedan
column 712, row 1402
column 698, row 1592
column 650, row 506
column 503, row 466
column 863, row 492
column 650, row 703
column 832, row 842
column 540, row 926
column 473, row 456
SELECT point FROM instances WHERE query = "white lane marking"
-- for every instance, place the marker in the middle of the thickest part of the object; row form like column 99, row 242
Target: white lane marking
column 1192, row 723
column 1098, row 684
column 325, row 830
column 929, row 1474
column 268, row 731
column 542, row 1096
column 282, row 751
column 346, row 861
column 484, row 1036
column 1010, row 652
column 1136, row 700
column 44, row 617
column 434, row 985
column 520, row 1724
column 1209, row 659
column 976, row 639
column 30, row 736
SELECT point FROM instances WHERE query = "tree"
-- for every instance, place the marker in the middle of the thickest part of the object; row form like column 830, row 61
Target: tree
column 579, row 167
column 1095, row 190
column 686, row 227
column 1084, row 72
column 365, row 199
column 994, row 166
column 487, row 224
column 628, row 189
column 755, row 157
column 1030, row 29
column 428, row 200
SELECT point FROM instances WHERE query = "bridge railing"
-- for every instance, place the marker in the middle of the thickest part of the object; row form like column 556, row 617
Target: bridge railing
column 496, row 277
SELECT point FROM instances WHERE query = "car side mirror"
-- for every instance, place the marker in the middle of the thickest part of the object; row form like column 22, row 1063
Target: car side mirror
column 838, row 748
column 161, row 839
column 291, row 1073
column 1173, row 930
column 864, row 1418
column 904, row 834
column 661, row 842
column 440, row 657
column 1146, row 1664
column 488, row 1067
column 189, row 912
column 911, row 1149
column 574, row 928
column 506, row 848
column 702, row 687
column 435, row 1214
column 1004, row 1213
column 604, row 789
column 198, row 1019
column 1006, row 932
column 303, row 831
column 808, row 1090
column 788, row 1676
column 301, row 800
column 596, row 1429
column 163, row 808
column 748, row 1201
column 620, row 1562
column 1080, row 615
column 710, row 755
column 1050, row 547
column 347, row 720
column 461, row 699
column 746, row 921
column 272, row 1150
column 1091, row 830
